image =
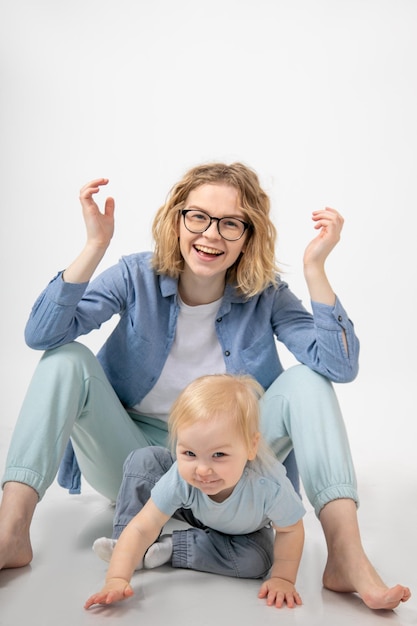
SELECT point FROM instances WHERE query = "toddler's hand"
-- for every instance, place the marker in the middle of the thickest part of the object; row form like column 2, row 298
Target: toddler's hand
column 114, row 590
column 278, row 591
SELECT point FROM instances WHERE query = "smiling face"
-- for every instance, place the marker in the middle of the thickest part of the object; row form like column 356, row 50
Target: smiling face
column 212, row 455
column 207, row 255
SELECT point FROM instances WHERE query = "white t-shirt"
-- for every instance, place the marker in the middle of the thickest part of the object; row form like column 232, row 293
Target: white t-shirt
column 196, row 351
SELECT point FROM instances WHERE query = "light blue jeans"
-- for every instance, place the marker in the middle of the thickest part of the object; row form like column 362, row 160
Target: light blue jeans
column 70, row 396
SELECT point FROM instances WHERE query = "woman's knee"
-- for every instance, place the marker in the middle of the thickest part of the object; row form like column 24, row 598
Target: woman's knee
column 297, row 386
column 74, row 355
column 301, row 378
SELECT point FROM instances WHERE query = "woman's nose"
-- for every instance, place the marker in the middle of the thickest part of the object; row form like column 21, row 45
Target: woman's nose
column 212, row 231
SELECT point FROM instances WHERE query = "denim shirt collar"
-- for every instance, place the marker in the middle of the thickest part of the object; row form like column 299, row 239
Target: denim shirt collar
column 169, row 287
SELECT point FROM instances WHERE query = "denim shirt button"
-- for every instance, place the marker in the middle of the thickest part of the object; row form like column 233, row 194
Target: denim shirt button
column 219, row 319
column 227, row 353
column 339, row 318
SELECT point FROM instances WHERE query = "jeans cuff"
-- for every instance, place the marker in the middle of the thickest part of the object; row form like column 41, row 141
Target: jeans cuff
column 179, row 549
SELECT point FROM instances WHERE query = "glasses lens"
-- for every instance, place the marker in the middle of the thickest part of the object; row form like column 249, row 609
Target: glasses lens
column 196, row 222
column 230, row 228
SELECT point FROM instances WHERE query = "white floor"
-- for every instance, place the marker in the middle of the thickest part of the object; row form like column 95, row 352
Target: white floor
column 65, row 571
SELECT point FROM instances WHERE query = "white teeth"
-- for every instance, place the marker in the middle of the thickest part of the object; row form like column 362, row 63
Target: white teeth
column 208, row 250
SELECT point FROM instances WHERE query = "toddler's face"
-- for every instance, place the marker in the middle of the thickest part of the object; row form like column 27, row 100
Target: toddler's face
column 212, row 456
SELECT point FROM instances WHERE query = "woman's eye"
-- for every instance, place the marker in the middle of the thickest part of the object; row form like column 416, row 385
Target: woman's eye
column 198, row 217
column 231, row 224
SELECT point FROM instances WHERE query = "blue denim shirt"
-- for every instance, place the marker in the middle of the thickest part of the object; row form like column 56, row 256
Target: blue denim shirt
column 135, row 352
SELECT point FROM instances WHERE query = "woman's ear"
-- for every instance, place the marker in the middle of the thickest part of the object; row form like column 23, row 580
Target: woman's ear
column 253, row 451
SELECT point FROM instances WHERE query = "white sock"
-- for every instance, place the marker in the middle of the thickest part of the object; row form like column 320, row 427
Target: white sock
column 159, row 553
column 104, row 547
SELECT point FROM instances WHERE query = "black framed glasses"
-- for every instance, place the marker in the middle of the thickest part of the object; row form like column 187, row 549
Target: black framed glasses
column 230, row 228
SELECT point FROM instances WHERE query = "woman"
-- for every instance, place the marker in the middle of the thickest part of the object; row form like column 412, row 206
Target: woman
column 208, row 300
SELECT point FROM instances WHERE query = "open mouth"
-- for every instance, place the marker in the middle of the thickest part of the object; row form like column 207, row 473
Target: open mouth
column 207, row 250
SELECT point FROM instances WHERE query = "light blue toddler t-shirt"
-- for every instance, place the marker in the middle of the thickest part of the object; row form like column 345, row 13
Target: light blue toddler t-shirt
column 260, row 497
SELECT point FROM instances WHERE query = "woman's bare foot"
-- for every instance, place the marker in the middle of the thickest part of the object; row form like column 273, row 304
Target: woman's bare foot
column 15, row 551
column 364, row 581
column 348, row 569
column 16, row 512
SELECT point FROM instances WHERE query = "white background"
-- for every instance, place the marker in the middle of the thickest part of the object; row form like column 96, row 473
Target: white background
column 318, row 96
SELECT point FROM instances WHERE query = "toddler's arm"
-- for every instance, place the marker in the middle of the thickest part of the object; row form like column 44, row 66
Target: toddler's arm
column 139, row 534
column 279, row 588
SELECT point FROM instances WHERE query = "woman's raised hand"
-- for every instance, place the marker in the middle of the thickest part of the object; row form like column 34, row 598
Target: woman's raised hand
column 100, row 225
column 100, row 229
column 329, row 223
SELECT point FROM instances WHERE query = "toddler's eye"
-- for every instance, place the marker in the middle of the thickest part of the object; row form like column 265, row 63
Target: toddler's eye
column 188, row 453
column 218, row 455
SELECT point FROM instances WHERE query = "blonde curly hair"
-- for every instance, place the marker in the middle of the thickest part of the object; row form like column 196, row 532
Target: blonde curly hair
column 255, row 269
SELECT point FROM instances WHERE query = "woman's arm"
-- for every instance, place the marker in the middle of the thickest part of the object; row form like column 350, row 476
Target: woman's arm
column 330, row 223
column 56, row 317
column 326, row 340
column 100, row 229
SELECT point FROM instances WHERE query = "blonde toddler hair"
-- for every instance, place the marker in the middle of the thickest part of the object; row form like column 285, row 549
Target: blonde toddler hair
column 216, row 395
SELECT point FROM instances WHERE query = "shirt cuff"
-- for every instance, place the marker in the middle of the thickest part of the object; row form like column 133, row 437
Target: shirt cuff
column 65, row 294
column 330, row 317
